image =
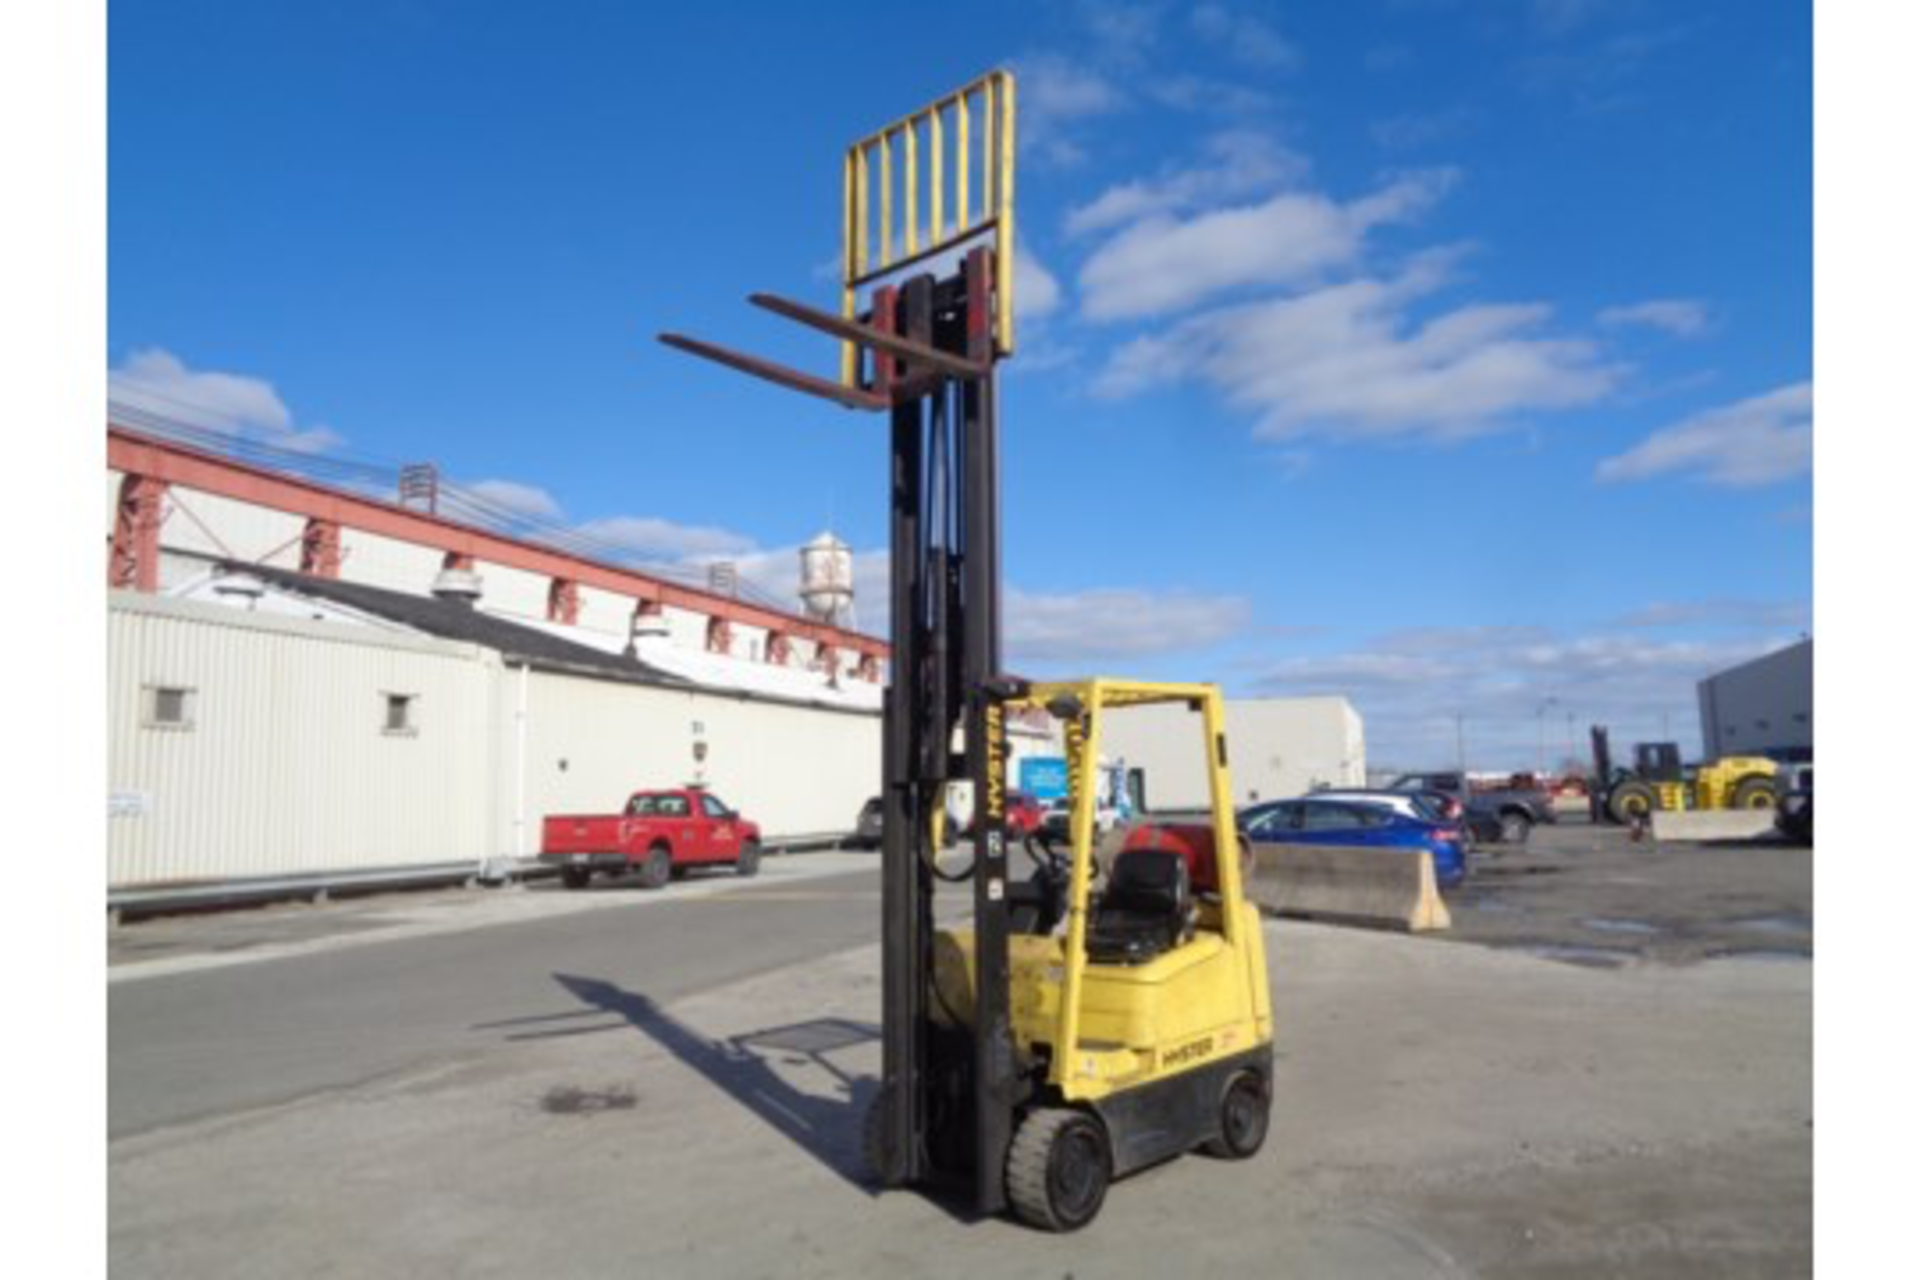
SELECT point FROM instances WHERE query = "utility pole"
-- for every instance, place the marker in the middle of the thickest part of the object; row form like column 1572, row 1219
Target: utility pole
column 1540, row 725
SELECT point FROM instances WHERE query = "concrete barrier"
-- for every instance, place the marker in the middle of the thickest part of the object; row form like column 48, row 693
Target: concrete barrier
column 1711, row 824
column 1389, row 887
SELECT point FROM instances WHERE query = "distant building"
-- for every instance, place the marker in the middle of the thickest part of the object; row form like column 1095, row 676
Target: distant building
column 1277, row 747
column 1761, row 708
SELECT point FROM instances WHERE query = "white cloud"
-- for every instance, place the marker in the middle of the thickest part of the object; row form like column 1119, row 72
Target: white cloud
column 1187, row 92
column 517, row 499
column 1346, row 361
column 1794, row 614
column 1057, row 95
column 1759, row 441
column 1083, row 627
column 1163, row 264
column 1512, row 686
column 1682, row 317
column 1238, row 162
column 1423, row 129
column 155, row 381
column 651, row 538
column 1243, row 37
column 1035, row 289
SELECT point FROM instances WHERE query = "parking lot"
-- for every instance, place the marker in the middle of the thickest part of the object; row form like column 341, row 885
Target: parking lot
column 1604, row 1068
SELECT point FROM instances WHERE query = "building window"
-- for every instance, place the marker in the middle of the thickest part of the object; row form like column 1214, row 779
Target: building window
column 401, row 718
column 1799, row 717
column 169, row 707
column 1732, row 732
column 1763, row 725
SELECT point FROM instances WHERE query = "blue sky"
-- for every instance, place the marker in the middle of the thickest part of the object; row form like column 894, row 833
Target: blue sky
column 1455, row 357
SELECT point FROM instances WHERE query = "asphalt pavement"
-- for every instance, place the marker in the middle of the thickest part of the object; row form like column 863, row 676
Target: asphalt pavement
column 261, row 1029
column 621, row 1083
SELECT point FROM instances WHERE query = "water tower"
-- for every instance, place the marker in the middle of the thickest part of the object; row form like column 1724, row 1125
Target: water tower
column 826, row 580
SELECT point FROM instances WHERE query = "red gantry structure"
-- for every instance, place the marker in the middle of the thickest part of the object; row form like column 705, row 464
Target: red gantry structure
column 151, row 467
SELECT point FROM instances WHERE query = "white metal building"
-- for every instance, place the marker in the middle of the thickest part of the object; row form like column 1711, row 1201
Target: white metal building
column 307, row 727
column 1761, row 708
column 1278, row 747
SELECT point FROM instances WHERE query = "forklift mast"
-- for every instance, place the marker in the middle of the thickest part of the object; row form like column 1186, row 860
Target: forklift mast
column 937, row 318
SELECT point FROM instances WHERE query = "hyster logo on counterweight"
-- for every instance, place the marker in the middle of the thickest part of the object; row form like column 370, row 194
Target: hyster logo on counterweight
column 1187, row 1052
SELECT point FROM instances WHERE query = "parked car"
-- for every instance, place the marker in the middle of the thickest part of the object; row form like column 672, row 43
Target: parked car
column 1023, row 814
column 1507, row 815
column 1056, row 821
column 1362, row 821
column 869, row 825
column 1431, row 806
column 659, row 834
column 1794, row 817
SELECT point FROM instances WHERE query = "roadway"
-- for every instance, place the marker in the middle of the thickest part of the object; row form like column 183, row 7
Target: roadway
column 194, row 1045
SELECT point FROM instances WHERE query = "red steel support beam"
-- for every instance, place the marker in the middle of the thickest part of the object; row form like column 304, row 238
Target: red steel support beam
column 563, row 601
column 320, row 549
column 168, row 463
column 135, row 559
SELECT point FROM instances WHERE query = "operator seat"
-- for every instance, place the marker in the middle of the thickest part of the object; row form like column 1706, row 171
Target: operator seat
column 1147, row 908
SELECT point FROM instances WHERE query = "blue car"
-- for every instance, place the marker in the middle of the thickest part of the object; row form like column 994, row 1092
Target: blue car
column 1361, row 822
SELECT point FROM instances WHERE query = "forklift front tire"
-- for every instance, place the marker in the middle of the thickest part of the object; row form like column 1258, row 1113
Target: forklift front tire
column 1244, row 1107
column 1058, row 1169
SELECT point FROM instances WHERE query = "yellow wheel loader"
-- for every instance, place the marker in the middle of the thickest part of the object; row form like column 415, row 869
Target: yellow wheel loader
column 1658, row 782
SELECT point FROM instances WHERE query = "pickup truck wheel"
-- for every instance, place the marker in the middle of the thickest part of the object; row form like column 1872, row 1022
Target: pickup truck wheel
column 1515, row 827
column 575, row 877
column 657, row 869
column 749, row 863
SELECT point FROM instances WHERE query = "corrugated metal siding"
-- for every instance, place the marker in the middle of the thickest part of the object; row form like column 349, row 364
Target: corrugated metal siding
column 1277, row 747
column 1760, row 707
column 794, row 770
column 286, row 768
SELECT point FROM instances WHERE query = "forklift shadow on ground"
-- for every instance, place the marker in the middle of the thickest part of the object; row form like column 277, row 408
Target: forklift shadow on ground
column 826, row 1126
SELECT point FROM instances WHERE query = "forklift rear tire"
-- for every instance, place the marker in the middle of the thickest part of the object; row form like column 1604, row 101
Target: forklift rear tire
column 1244, row 1108
column 657, row 869
column 575, row 877
column 1755, row 792
column 1058, row 1169
column 749, row 862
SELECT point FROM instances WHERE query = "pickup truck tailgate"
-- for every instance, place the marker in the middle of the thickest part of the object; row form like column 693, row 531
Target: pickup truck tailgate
column 580, row 833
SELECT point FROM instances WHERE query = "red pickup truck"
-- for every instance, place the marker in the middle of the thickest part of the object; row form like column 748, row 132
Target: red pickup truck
column 659, row 833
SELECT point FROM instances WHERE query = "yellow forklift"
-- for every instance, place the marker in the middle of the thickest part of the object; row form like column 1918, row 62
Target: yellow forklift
column 1065, row 1036
column 1659, row 782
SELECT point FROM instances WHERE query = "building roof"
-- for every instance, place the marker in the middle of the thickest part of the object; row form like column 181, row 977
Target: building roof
column 453, row 620
column 546, row 645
